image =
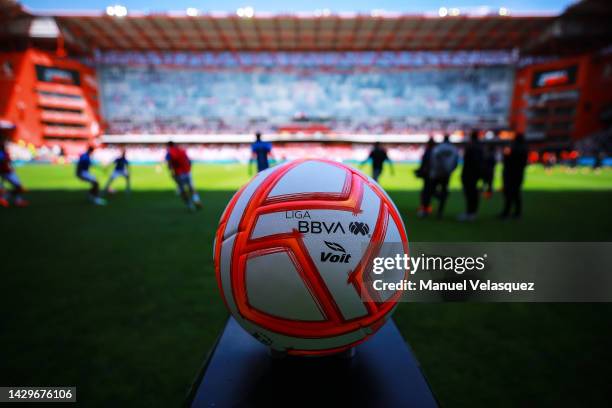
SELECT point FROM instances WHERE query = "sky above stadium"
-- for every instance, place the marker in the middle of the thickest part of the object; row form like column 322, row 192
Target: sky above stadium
column 294, row 6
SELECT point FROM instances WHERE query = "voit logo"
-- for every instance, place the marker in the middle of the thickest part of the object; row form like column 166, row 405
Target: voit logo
column 338, row 254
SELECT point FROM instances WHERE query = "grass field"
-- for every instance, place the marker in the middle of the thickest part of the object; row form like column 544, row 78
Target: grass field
column 121, row 301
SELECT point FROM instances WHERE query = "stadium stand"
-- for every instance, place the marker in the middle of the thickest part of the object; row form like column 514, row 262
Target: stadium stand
column 158, row 100
column 145, row 78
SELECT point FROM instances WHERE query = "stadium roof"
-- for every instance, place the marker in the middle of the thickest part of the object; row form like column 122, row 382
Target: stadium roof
column 582, row 26
column 292, row 33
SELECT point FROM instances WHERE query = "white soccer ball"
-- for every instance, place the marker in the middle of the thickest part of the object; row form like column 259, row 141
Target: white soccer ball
column 291, row 254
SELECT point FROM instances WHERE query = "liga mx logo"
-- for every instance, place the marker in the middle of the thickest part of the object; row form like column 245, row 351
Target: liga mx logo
column 359, row 228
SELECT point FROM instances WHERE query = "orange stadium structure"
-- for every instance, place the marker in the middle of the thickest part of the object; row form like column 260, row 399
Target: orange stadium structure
column 48, row 98
column 49, row 66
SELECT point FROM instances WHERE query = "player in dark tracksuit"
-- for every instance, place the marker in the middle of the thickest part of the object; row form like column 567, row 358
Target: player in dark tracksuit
column 515, row 162
column 444, row 159
column 378, row 155
column 488, row 174
column 423, row 172
column 471, row 173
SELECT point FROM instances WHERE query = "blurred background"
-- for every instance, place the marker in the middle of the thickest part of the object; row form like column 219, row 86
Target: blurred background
column 118, row 76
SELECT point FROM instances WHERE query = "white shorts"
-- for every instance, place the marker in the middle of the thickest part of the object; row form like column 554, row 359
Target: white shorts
column 11, row 178
column 87, row 176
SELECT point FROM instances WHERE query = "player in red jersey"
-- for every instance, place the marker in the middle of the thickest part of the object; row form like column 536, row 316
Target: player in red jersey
column 7, row 174
column 180, row 167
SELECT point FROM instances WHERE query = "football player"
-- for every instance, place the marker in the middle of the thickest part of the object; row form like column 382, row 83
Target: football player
column 82, row 172
column 7, row 174
column 122, row 169
column 180, row 168
column 260, row 151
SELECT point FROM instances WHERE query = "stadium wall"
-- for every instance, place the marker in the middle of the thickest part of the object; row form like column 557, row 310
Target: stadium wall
column 563, row 100
column 51, row 107
column 48, row 99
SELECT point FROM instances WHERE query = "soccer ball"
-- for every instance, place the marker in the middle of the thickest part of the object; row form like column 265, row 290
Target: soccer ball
column 291, row 254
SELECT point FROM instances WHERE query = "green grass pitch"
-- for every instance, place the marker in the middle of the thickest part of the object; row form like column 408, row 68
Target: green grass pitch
column 121, row 301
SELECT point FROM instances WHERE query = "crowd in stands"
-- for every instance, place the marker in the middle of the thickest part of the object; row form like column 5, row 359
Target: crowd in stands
column 409, row 125
column 161, row 100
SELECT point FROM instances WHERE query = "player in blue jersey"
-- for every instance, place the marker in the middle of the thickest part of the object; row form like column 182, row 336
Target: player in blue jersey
column 260, row 152
column 82, row 172
column 122, row 169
